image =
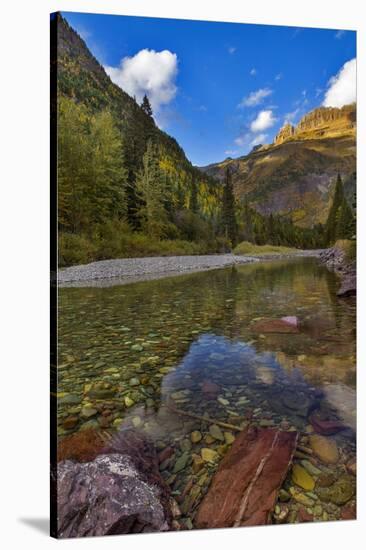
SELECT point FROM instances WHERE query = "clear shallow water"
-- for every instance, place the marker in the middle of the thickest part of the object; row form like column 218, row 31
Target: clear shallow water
column 138, row 353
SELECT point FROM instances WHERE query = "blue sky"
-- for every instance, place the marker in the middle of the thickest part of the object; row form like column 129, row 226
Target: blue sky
column 220, row 88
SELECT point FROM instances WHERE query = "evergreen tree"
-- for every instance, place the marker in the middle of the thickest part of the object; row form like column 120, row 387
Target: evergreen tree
column 193, row 202
column 340, row 217
column 146, row 106
column 230, row 228
column 150, row 186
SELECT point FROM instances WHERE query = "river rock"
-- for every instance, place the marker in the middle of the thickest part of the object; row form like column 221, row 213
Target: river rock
column 309, row 467
column 352, row 467
column 70, row 422
column 120, row 491
column 196, row 436
column 302, row 478
column 300, row 497
column 280, row 326
column 348, row 286
column 210, row 389
column 244, row 489
column 324, row 448
column 340, row 492
column 181, row 463
column 69, row 399
column 208, row 455
column 81, row 446
column 349, row 511
column 229, row 438
column 326, row 427
column 216, row 432
column 101, row 390
column 88, row 412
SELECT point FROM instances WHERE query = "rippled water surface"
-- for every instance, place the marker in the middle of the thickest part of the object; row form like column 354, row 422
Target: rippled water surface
column 166, row 355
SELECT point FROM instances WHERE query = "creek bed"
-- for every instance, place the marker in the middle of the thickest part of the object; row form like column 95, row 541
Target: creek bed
column 179, row 358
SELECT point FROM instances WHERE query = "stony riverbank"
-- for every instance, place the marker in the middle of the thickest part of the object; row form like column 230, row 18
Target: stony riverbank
column 338, row 260
column 129, row 270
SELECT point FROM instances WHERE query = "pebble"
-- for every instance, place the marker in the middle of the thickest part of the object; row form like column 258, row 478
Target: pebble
column 128, row 401
column 223, row 401
column 88, row 412
column 181, row 463
column 302, row 478
column 134, row 382
column 313, row 470
column 70, row 422
column 209, row 455
column 196, row 436
column 229, row 438
column 324, row 448
column 216, row 433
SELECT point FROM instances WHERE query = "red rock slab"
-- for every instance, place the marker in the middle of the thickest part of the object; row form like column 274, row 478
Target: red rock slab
column 326, row 427
column 210, row 389
column 244, row 488
column 279, row 326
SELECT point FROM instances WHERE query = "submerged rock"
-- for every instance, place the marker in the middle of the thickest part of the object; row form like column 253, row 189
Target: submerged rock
column 348, row 286
column 280, row 326
column 216, row 433
column 326, row 427
column 120, row 491
column 244, row 488
column 340, row 492
column 302, row 478
column 324, row 448
column 81, row 446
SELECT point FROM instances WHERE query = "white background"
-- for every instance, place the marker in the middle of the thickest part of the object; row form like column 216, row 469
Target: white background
column 24, row 185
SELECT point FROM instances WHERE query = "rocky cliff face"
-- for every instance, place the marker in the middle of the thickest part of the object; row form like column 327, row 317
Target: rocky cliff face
column 324, row 122
column 287, row 131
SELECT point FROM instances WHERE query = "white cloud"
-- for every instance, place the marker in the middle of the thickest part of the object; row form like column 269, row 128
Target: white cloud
column 232, row 50
column 264, row 120
column 231, row 152
column 339, row 34
column 148, row 72
column 241, row 140
column 253, row 72
column 342, row 87
column 255, row 98
column 278, row 76
column 259, row 139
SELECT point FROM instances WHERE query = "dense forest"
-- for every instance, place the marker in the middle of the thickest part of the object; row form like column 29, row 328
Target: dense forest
column 125, row 188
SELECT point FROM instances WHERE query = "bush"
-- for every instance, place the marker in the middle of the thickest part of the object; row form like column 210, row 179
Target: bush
column 247, row 248
column 115, row 239
column 75, row 249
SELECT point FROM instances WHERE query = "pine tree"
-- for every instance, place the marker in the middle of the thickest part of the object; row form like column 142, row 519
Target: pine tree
column 146, row 106
column 193, row 202
column 340, row 217
column 150, row 186
column 230, row 227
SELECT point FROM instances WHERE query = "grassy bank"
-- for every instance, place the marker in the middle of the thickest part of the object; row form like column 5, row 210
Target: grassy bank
column 246, row 248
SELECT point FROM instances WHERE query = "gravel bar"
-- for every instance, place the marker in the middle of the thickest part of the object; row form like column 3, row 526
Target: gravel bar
column 129, row 270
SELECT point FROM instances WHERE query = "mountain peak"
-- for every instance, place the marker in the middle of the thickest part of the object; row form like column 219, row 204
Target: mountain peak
column 323, row 122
